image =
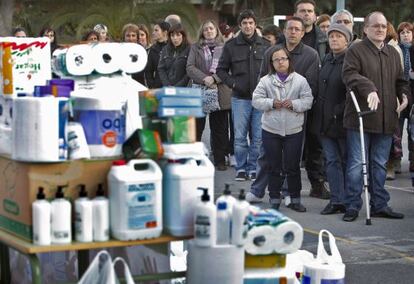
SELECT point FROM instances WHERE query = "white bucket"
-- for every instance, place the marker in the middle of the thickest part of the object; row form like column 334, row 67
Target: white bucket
column 135, row 200
column 180, row 182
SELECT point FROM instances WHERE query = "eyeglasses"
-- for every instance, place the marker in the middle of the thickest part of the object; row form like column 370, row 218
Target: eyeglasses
column 379, row 26
column 280, row 60
column 346, row 22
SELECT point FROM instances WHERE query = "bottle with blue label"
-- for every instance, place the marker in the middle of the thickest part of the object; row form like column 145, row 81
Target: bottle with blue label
column 135, row 198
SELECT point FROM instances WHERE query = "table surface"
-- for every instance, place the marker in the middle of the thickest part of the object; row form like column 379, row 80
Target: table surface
column 26, row 247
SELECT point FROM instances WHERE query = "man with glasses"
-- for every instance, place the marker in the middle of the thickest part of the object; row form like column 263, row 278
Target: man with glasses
column 373, row 71
column 346, row 18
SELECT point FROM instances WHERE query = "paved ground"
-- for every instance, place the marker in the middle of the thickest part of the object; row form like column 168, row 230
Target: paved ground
column 380, row 253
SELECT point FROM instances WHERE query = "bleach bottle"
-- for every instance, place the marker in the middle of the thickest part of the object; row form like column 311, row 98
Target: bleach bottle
column 135, row 199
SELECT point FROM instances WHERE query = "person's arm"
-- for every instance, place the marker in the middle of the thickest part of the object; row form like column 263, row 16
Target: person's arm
column 260, row 98
column 304, row 102
column 193, row 70
column 224, row 66
column 150, row 70
column 312, row 73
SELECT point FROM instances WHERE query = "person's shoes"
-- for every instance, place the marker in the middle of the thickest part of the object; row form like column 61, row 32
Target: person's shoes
column 252, row 176
column 298, row 207
column 276, row 206
column 390, row 171
column 320, row 190
column 251, row 198
column 397, row 166
column 350, row 215
column 387, row 213
column 221, row 167
column 241, row 176
column 232, row 161
column 333, row 209
column 411, row 168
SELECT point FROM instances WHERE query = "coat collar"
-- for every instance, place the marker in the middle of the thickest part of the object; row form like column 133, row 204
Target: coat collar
column 240, row 40
column 373, row 48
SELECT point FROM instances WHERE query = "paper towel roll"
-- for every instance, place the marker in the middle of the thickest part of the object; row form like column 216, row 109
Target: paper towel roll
column 134, row 57
column 35, row 129
column 288, row 237
column 260, row 240
column 107, row 57
column 77, row 60
column 318, row 273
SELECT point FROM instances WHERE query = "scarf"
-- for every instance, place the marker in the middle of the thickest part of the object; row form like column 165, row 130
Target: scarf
column 406, row 56
column 212, row 54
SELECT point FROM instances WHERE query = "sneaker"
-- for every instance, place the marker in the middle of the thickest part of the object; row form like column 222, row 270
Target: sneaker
column 251, row 198
column 333, row 209
column 232, row 161
column 388, row 213
column 241, row 176
column 298, row 207
column 350, row 215
column 252, row 176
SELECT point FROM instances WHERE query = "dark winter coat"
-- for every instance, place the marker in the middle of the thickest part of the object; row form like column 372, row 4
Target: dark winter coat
column 172, row 65
column 151, row 70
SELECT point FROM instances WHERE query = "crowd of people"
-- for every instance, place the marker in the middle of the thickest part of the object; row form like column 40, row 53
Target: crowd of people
column 279, row 97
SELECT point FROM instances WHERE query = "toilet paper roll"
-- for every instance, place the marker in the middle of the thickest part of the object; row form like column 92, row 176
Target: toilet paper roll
column 77, row 60
column 288, row 237
column 107, row 57
column 134, row 57
column 319, row 273
column 5, row 139
column 260, row 240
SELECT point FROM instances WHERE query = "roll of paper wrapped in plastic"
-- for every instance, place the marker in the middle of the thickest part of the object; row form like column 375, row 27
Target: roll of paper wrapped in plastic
column 77, row 60
column 107, row 57
column 133, row 57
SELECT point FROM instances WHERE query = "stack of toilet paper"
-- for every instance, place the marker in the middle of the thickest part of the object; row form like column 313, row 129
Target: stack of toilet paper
column 102, row 58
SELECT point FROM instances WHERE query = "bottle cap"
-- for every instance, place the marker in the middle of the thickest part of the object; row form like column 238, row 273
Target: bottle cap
column 82, row 192
column 40, row 194
column 205, row 196
column 119, row 163
column 242, row 195
column 100, row 191
column 59, row 192
column 227, row 190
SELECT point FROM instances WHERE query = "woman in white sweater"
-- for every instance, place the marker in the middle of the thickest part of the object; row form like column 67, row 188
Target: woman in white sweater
column 284, row 96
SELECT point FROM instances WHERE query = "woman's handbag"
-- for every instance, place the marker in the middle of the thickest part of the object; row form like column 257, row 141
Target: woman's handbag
column 209, row 98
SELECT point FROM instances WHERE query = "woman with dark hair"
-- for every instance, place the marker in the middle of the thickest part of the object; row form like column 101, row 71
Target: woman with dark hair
column 160, row 37
column 201, row 68
column 19, row 32
column 91, row 36
column 50, row 33
column 284, row 96
column 173, row 58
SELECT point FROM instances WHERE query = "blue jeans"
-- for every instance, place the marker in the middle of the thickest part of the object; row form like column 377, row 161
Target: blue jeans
column 377, row 151
column 334, row 150
column 245, row 116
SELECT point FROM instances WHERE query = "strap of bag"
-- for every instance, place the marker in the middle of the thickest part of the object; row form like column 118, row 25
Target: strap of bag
column 127, row 272
column 322, row 255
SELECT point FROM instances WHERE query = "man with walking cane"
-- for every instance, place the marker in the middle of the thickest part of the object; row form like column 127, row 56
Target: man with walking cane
column 372, row 69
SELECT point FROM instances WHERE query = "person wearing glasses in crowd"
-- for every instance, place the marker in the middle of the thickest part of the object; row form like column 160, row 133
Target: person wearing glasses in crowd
column 345, row 17
column 372, row 69
column 283, row 96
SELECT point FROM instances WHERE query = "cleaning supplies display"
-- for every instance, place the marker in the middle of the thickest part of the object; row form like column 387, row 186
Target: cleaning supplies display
column 100, row 213
column 205, row 221
column 239, row 223
column 135, row 196
column 41, row 212
column 326, row 268
column 39, row 129
column 272, row 232
column 83, row 217
column 61, row 225
column 103, row 120
column 181, row 178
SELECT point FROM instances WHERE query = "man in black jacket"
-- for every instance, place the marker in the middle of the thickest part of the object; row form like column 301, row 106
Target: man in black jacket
column 239, row 68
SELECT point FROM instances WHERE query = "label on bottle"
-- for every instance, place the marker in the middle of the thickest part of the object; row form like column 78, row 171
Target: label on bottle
column 142, row 206
column 202, row 227
column 78, row 223
column 60, row 234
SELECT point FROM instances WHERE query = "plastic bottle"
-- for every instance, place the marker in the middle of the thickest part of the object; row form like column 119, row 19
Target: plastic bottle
column 205, row 221
column 61, row 219
column 227, row 198
column 100, row 216
column 41, row 211
column 77, row 144
column 83, row 217
column 239, row 226
column 223, row 224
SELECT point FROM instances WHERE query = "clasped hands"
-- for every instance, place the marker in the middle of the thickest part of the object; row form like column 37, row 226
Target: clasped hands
column 277, row 104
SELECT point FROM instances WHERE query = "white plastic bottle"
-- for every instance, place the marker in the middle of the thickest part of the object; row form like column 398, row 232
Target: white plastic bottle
column 223, row 224
column 77, row 145
column 227, row 198
column 239, row 226
column 83, row 217
column 100, row 216
column 61, row 219
column 41, row 213
column 205, row 221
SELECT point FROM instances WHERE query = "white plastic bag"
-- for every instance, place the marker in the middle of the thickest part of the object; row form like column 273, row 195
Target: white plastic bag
column 325, row 268
column 100, row 271
column 127, row 272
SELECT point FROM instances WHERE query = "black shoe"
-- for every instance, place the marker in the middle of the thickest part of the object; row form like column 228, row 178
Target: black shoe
column 350, row 215
column 387, row 213
column 298, row 207
column 252, row 176
column 241, row 176
column 275, row 206
column 333, row 209
column 320, row 190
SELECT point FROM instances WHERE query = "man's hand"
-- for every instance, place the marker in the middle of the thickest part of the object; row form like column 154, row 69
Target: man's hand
column 287, row 104
column 277, row 104
column 373, row 101
column 403, row 105
column 208, row 81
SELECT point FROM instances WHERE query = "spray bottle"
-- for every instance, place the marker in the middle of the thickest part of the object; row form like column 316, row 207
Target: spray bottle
column 41, row 211
column 205, row 221
column 100, row 216
column 239, row 226
column 83, row 217
column 61, row 218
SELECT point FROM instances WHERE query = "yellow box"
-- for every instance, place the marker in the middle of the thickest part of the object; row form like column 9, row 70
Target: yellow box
column 265, row 261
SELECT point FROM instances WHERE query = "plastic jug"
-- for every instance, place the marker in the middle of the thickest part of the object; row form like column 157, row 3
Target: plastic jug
column 181, row 178
column 135, row 199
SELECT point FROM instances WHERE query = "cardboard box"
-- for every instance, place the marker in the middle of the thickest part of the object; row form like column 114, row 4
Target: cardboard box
column 20, row 181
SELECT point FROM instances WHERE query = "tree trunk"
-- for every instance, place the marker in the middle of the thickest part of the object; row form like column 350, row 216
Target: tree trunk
column 6, row 17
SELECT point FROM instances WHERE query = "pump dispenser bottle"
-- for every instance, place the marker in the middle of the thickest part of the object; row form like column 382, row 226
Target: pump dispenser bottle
column 100, row 216
column 239, row 226
column 41, row 212
column 223, row 224
column 83, row 217
column 205, row 221
column 61, row 219
column 227, row 198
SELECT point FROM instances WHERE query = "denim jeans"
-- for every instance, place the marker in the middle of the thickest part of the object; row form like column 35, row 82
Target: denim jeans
column 245, row 116
column 377, row 151
column 334, row 150
column 284, row 150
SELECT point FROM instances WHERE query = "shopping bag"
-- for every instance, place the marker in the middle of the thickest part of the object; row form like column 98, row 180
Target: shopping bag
column 325, row 269
column 127, row 272
column 209, row 97
column 100, row 271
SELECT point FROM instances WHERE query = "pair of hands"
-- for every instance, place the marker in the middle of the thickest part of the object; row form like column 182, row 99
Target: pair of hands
column 373, row 102
column 209, row 81
column 277, row 104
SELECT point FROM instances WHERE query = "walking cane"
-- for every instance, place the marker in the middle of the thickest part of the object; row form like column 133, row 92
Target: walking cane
column 364, row 162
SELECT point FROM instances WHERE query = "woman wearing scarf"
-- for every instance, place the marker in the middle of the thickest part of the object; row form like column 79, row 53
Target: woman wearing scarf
column 201, row 68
